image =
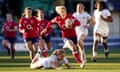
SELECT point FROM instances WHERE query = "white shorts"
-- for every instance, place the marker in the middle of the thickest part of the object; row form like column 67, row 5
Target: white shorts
column 102, row 33
column 80, row 33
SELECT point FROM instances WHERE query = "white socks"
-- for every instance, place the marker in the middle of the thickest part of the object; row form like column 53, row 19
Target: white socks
column 94, row 54
column 106, row 50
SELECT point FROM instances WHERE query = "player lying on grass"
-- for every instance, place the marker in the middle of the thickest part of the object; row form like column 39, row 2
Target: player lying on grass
column 54, row 61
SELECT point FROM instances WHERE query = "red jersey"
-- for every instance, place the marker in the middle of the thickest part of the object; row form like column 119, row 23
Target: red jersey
column 9, row 25
column 42, row 24
column 29, row 26
column 66, row 32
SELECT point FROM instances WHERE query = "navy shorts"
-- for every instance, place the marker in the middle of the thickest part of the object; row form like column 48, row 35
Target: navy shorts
column 46, row 38
column 74, row 39
column 11, row 40
column 33, row 40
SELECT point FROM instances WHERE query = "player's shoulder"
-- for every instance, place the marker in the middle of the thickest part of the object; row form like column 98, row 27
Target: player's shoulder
column 69, row 15
column 45, row 20
column 96, row 10
column 105, row 10
column 75, row 13
column 57, row 18
column 5, row 22
column 53, row 57
column 34, row 17
column 86, row 13
column 22, row 18
column 14, row 22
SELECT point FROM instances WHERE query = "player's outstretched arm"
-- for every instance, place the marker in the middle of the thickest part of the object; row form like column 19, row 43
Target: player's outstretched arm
column 53, row 65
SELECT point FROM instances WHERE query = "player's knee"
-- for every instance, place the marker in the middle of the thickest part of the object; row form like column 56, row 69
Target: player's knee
column 96, row 38
column 103, row 40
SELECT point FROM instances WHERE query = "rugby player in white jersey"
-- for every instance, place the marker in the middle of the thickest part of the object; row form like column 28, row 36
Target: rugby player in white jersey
column 54, row 61
column 101, row 29
column 82, row 30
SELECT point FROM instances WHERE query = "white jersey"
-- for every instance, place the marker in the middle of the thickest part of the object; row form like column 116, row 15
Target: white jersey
column 83, row 18
column 46, row 62
column 101, row 26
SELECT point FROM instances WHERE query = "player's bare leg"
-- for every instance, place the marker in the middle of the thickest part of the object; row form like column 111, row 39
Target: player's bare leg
column 5, row 45
column 81, row 47
column 36, row 46
column 42, row 46
column 95, row 46
column 49, row 45
column 30, row 48
column 104, row 43
column 69, row 44
column 12, row 50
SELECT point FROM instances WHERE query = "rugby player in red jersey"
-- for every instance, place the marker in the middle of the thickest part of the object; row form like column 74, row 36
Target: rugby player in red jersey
column 29, row 27
column 9, row 29
column 67, row 24
column 45, row 38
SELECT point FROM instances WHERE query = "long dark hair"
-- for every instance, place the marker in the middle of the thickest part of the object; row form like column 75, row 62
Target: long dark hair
column 102, row 4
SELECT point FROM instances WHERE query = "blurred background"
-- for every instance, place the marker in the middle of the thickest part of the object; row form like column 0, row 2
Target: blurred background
column 17, row 7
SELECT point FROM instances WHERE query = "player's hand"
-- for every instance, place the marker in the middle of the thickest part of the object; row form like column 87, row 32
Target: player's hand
column 43, row 31
column 22, row 31
column 102, row 17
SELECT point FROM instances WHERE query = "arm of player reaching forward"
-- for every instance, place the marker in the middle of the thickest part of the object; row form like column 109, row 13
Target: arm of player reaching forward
column 53, row 65
column 48, row 27
column 66, row 62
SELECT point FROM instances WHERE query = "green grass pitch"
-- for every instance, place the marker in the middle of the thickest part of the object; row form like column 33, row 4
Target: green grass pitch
column 21, row 62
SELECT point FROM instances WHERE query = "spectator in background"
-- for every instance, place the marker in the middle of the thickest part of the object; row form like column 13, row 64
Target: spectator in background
column 9, row 29
column 28, row 26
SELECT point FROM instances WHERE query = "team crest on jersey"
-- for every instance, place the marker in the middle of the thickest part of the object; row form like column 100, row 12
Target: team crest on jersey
column 28, row 26
column 7, row 27
column 69, row 21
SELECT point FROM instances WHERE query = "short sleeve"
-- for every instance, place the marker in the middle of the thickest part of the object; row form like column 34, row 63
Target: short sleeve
column 106, row 12
column 53, row 58
column 74, row 14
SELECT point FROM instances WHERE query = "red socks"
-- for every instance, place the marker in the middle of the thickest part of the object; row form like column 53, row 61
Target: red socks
column 76, row 56
column 44, row 53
